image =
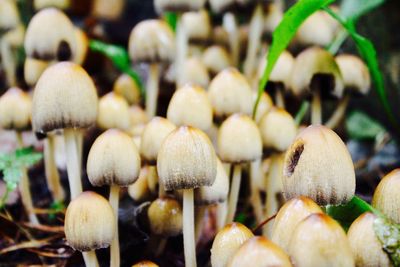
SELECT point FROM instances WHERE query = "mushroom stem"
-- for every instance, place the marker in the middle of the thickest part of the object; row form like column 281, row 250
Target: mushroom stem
column 25, row 189
column 274, row 187
column 74, row 178
column 9, row 61
column 234, row 194
column 199, row 219
column 316, row 114
column 339, row 113
column 90, row 259
column 227, row 167
column 152, row 90
column 279, row 98
column 222, row 210
column 52, row 175
column 114, row 248
column 181, row 51
column 230, row 25
column 79, row 146
column 255, row 174
column 256, row 28
column 161, row 246
column 188, row 228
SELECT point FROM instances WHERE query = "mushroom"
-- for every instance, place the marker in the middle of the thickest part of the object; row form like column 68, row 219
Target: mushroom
column 82, row 46
column 259, row 252
column 264, row 105
column 386, row 197
column 194, row 71
column 365, row 245
column 152, row 41
column 289, row 216
column 114, row 161
column 357, row 81
column 113, row 112
column 187, row 160
column 125, row 86
column 141, row 190
column 60, row 4
column 320, row 241
column 319, row 166
column 65, row 98
column 89, row 225
column 197, row 26
column 33, row 68
column 227, row 242
column 216, row 59
column 15, row 114
column 108, row 10
column 145, row 264
column 239, row 141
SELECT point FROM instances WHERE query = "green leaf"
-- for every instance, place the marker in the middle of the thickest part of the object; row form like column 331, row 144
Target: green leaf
column 284, row 33
column 361, row 127
column 172, row 19
column 12, row 177
column 354, row 9
column 27, row 157
column 302, row 112
column 388, row 234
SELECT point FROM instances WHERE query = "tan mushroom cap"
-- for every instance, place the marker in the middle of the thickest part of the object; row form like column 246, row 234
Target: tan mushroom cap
column 145, row 264
column 220, row 36
column 365, row 245
column 109, row 10
column 319, row 166
column 15, row 110
column 154, row 134
column 9, row 15
column 190, row 106
column 165, row 217
column 230, row 93
column 216, row 59
column 113, row 160
column 33, row 69
column 152, row 41
column 227, row 241
column 197, row 25
column 139, row 191
column 60, row 4
column 278, row 129
column 320, row 241
column 50, row 36
column 89, row 222
column 282, row 70
column 259, row 252
column 239, row 140
column 186, row 160
column 219, row 6
column 163, row 6
column 355, row 73
column 386, row 196
column 273, row 17
column 138, row 115
column 125, row 86
column 194, row 71
column 264, row 105
column 82, row 46
column 64, row 97
column 113, row 112
column 289, row 216
column 315, row 61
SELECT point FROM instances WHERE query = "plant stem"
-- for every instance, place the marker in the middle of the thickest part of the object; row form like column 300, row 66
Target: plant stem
column 230, row 25
column 222, row 211
column 114, row 202
column 339, row 112
column 188, row 228
column 255, row 175
column 74, row 179
column 302, row 112
column 316, row 115
column 8, row 60
column 90, row 259
column 334, row 47
column 79, row 147
column 255, row 33
column 152, row 90
column 234, row 194
column 52, row 175
column 279, row 98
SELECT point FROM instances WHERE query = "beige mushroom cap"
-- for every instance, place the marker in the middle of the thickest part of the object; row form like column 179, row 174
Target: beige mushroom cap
column 109, row 10
column 33, row 69
column 145, row 264
column 138, row 115
column 64, row 97
column 89, row 222
column 82, row 46
column 113, row 112
column 186, row 160
column 165, row 217
column 125, row 86
column 163, row 6
column 9, row 15
column 282, row 70
column 197, row 25
column 60, row 4
column 194, row 71
column 273, row 17
column 152, row 41
column 216, row 59
column 15, row 110
column 265, row 105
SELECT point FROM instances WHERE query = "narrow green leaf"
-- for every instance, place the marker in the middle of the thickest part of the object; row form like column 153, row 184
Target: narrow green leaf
column 302, row 112
column 361, row 127
column 172, row 19
column 388, row 234
column 26, row 157
column 284, row 33
column 354, row 9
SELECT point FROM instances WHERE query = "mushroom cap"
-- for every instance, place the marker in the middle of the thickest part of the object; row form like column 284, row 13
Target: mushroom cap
column 216, row 59
column 145, row 264
column 220, row 36
column 355, row 73
column 138, row 115
column 239, row 140
column 125, row 86
column 272, row 17
column 165, row 217
column 320, row 241
column 264, row 105
column 15, row 110
column 163, row 6
column 289, row 216
column 154, row 134
column 50, row 36
column 386, row 196
column 186, row 160
column 308, row 65
column 366, row 247
column 259, row 252
column 108, row 10
column 229, row 93
column 82, row 46
column 278, row 129
column 9, row 15
column 60, row 4
column 190, row 106
column 282, row 69
column 319, row 166
column 64, row 97
column 89, row 222
column 197, row 26
column 113, row 112
column 113, row 160
column 139, row 191
column 220, row 6
column 194, row 71
column 152, row 41
column 33, row 69
column 227, row 242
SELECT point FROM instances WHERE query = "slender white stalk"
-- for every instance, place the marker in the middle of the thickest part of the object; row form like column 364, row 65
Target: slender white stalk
column 75, row 183
column 181, row 51
column 255, row 175
column 255, row 33
column 227, row 167
column 230, row 25
column 152, row 90
column 279, row 98
column 339, row 113
column 234, row 194
column 52, row 175
column 222, row 212
column 90, row 259
column 114, row 249
column 316, row 113
column 9, row 62
column 199, row 219
column 79, row 147
column 189, row 244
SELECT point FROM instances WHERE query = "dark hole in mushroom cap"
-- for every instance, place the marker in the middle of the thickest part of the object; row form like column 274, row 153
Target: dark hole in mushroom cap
column 323, row 82
column 64, row 51
column 40, row 135
column 294, row 159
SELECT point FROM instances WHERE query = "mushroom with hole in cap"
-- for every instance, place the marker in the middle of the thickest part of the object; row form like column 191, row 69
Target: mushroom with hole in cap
column 113, row 112
column 125, row 86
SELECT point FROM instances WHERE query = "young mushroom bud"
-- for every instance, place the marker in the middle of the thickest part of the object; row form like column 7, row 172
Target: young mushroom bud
column 140, row 190
column 15, row 110
column 108, row 10
column 190, row 106
column 366, row 247
column 113, row 112
column 195, row 72
column 33, row 68
column 259, row 252
column 145, row 264
column 318, row 165
column 264, row 105
column 216, row 59
column 386, row 196
column 128, row 88
column 165, row 217
column 82, row 46
column 227, row 242
column 197, row 26
column 320, row 241
column 60, row 4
